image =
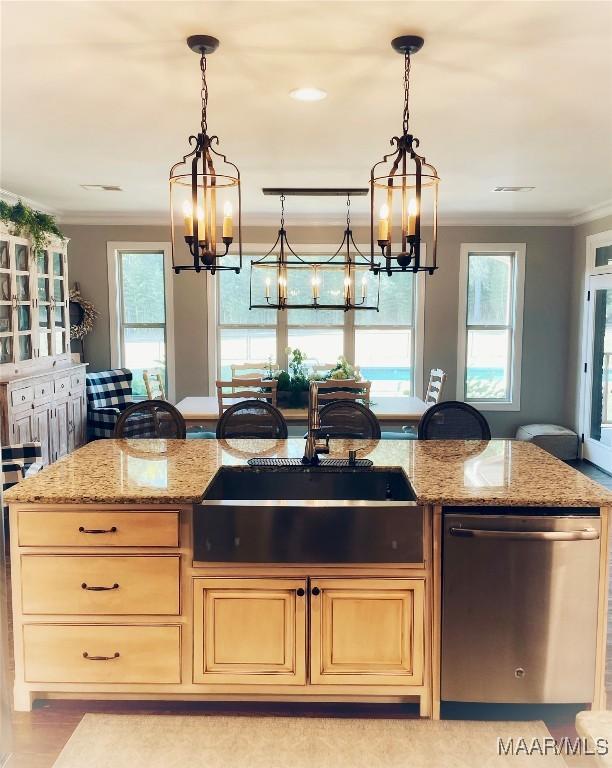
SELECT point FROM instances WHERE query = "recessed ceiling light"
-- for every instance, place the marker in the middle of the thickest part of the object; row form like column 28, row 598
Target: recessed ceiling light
column 101, row 187
column 513, row 189
column 308, row 94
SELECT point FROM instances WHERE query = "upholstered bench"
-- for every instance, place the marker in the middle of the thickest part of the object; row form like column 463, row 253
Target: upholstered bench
column 560, row 441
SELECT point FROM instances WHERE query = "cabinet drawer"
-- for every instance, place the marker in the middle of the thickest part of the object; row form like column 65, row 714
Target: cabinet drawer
column 43, row 391
column 61, row 653
column 22, row 396
column 98, row 529
column 77, row 381
column 100, row 585
column 62, row 386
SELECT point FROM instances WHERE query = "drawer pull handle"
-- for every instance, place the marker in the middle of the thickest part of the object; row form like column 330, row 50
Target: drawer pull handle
column 98, row 530
column 100, row 658
column 99, row 589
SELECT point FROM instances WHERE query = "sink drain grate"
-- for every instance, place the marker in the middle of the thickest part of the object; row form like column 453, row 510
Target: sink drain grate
column 359, row 463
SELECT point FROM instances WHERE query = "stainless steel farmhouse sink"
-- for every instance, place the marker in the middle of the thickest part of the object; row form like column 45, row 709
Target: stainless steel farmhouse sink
column 308, row 515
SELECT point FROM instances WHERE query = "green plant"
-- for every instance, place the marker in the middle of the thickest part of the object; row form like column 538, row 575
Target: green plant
column 342, row 370
column 35, row 225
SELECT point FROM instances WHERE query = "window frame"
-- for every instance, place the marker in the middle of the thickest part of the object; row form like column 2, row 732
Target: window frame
column 282, row 325
column 115, row 303
column 516, row 325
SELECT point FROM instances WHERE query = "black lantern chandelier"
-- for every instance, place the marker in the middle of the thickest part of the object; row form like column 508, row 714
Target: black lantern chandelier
column 282, row 279
column 203, row 180
column 404, row 192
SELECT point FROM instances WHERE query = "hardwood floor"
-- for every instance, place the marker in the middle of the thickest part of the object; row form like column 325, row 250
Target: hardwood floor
column 40, row 735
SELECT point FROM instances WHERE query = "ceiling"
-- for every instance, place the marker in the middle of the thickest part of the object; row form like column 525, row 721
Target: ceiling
column 503, row 93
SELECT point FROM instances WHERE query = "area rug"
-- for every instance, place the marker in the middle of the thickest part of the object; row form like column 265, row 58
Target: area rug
column 172, row 741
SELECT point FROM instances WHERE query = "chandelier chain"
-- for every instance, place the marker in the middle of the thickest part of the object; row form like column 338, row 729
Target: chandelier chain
column 282, row 202
column 204, row 94
column 406, row 91
column 348, row 211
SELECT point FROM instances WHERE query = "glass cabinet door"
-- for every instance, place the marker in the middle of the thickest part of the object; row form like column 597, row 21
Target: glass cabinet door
column 59, row 310
column 44, row 279
column 6, row 304
column 22, row 298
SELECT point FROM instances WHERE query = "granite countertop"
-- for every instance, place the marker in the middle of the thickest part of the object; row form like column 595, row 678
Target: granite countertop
column 501, row 472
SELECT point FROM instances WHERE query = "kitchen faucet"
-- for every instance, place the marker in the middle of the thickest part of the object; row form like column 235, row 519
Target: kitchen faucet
column 313, row 446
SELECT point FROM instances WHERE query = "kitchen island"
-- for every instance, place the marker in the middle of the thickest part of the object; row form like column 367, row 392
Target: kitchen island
column 110, row 601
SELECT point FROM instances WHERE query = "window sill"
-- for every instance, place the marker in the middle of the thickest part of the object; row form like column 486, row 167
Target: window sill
column 487, row 405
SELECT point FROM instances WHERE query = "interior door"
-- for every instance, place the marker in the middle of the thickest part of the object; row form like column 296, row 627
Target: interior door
column 597, row 392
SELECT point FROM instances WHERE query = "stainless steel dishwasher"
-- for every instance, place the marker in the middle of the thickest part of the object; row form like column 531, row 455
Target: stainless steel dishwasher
column 519, row 606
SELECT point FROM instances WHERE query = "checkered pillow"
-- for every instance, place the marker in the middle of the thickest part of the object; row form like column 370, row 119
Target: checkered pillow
column 109, row 389
column 19, row 461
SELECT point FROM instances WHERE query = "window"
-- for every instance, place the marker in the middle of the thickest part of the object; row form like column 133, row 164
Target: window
column 386, row 345
column 491, row 284
column 140, row 297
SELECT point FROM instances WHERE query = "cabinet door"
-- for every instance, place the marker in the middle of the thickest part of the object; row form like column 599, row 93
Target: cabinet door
column 367, row 631
column 41, row 432
column 22, row 301
column 59, row 301
column 250, row 631
column 21, row 428
column 59, row 429
column 75, row 422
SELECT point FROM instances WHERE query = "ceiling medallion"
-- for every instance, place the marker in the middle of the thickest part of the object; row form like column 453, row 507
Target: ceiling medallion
column 404, row 191
column 200, row 183
column 282, row 279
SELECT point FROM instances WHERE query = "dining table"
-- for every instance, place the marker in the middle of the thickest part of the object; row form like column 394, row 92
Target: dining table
column 392, row 411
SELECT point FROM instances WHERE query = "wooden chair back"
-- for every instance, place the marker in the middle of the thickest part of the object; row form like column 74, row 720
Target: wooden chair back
column 252, row 369
column 154, row 384
column 246, row 389
column 437, row 380
column 344, row 389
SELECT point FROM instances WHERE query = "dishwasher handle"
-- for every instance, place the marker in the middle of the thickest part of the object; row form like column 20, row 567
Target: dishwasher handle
column 584, row 534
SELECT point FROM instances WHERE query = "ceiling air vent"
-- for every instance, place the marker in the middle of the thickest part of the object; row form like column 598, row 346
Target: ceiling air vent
column 101, row 187
column 513, row 189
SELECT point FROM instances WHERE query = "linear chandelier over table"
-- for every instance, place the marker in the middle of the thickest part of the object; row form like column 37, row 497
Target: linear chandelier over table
column 283, row 279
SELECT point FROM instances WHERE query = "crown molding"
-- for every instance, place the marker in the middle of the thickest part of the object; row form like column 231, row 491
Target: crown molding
column 591, row 214
column 12, row 198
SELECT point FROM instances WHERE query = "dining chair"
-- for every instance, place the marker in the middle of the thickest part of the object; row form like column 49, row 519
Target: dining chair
column 344, row 389
column 246, row 389
column 252, row 419
column 151, row 419
column 154, row 384
column 251, row 369
column 350, row 420
column 453, row 420
column 435, row 387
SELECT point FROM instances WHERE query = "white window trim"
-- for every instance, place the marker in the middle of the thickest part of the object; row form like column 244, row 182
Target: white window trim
column 519, row 249
column 258, row 249
column 112, row 249
column 593, row 242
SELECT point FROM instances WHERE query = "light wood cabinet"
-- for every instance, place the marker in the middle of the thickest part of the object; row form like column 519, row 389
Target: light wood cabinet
column 100, row 584
column 250, row 631
column 367, row 631
column 81, row 653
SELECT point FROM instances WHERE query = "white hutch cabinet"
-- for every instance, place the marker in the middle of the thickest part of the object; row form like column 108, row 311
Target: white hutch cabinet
column 42, row 393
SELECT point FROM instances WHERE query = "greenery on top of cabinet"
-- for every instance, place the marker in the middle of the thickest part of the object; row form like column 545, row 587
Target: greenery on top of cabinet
column 35, row 225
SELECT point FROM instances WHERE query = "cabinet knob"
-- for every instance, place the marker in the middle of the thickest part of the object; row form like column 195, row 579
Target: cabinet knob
column 300, row 592
column 316, row 591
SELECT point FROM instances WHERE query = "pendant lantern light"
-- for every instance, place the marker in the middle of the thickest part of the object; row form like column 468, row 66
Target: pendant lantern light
column 403, row 193
column 205, row 194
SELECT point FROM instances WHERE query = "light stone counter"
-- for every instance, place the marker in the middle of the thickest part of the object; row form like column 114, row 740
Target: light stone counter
column 501, row 472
